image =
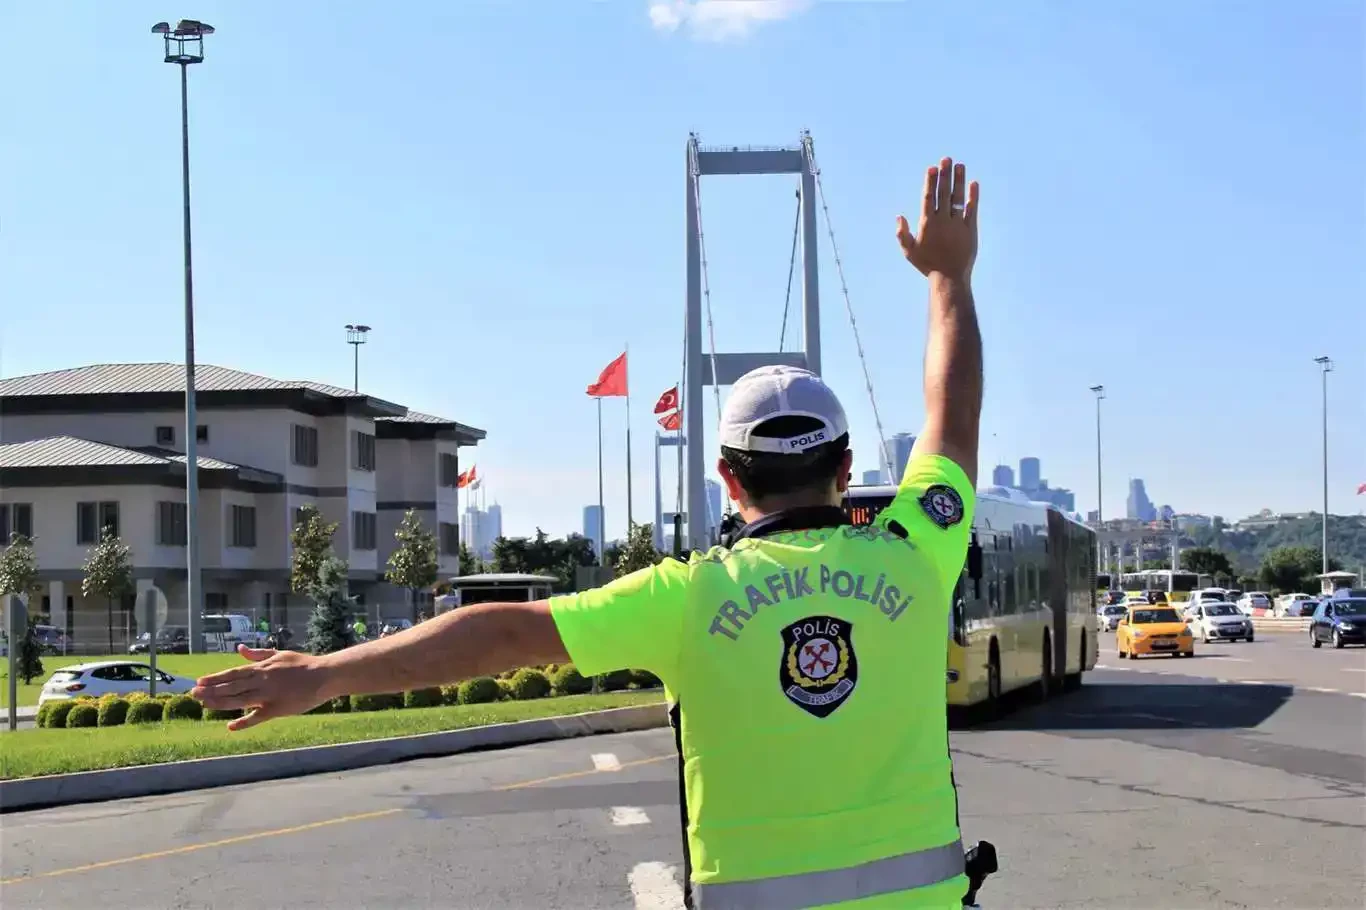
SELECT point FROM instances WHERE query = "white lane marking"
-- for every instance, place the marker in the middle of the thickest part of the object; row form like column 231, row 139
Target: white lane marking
column 606, row 761
column 1232, row 660
column 629, row 815
column 1353, row 669
column 654, row 886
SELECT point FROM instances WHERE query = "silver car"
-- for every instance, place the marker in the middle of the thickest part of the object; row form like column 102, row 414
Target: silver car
column 1108, row 617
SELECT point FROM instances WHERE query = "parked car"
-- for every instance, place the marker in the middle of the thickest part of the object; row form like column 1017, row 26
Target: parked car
column 1219, row 622
column 122, row 677
column 170, row 640
column 225, row 631
column 1341, row 620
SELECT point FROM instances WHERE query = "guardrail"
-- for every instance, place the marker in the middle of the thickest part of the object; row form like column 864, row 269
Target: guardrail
column 1280, row 623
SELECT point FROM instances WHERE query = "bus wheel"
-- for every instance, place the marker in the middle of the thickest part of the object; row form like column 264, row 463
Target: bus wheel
column 1072, row 681
column 993, row 705
column 1045, row 684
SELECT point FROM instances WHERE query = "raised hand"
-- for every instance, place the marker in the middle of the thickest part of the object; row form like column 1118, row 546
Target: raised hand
column 945, row 243
column 274, row 684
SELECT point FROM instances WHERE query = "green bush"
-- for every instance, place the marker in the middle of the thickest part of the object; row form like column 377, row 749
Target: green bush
column 40, row 719
column 644, row 679
column 450, row 695
column 549, row 670
column 56, row 715
column 422, row 698
column 112, row 712
column 222, row 713
column 377, row 701
column 506, row 674
column 146, row 711
column 479, row 691
column 341, row 704
column 569, row 681
column 82, row 715
column 614, row 681
column 183, row 707
column 324, row 708
column 529, row 684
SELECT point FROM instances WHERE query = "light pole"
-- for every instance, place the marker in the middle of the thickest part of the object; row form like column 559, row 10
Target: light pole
column 1326, row 366
column 184, row 45
column 355, row 336
column 1099, row 391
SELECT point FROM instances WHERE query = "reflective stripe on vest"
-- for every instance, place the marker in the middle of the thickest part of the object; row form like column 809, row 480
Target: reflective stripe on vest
column 813, row 889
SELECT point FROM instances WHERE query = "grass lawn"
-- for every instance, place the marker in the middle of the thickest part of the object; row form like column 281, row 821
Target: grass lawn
column 31, row 753
column 192, row 665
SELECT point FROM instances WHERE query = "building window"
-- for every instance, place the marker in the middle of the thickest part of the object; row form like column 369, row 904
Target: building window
column 450, row 469
column 363, row 530
column 4, row 525
column 172, row 530
column 165, row 436
column 305, row 446
column 243, row 530
column 450, row 538
column 364, row 445
column 201, row 433
column 22, row 515
column 298, row 517
column 92, row 518
column 109, row 518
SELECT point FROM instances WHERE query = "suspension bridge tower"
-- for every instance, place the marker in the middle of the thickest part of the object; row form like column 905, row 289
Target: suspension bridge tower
column 716, row 370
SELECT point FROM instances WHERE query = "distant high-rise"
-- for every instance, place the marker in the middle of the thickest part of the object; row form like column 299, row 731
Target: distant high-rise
column 1003, row 476
column 1138, row 506
column 898, row 453
column 479, row 528
column 492, row 528
column 1029, row 473
column 593, row 527
column 1166, row 513
column 713, row 507
column 872, row 478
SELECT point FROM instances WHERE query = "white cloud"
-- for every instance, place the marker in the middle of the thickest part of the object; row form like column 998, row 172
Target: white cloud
column 721, row 20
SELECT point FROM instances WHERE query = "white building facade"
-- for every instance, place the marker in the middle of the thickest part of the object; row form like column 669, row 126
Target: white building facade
column 103, row 445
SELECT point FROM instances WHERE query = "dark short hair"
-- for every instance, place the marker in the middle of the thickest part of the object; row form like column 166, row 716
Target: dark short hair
column 764, row 474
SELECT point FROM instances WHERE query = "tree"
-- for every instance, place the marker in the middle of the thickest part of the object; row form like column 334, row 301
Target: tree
column 19, row 575
column 639, row 551
column 469, row 563
column 1206, row 561
column 328, row 626
column 413, row 565
column 311, row 540
column 108, row 574
column 1288, row 569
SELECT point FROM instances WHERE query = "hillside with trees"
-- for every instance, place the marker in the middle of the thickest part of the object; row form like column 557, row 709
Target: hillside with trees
column 1249, row 549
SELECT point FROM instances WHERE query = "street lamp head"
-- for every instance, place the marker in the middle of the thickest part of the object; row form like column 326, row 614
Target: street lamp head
column 1325, row 362
column 1099, row 390
column 161, row 28
column 185, row 42
column 192, row 28
column 355, row 334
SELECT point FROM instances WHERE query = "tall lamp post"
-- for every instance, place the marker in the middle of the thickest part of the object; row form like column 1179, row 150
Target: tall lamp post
column 1326, row 366
column 184, row 45
column 1099, row 391
column 355, row 336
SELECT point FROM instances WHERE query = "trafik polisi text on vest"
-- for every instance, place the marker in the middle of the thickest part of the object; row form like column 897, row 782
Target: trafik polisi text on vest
column 731, row 617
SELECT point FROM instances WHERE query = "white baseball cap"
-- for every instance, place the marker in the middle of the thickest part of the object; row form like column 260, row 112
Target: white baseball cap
column 780, row 391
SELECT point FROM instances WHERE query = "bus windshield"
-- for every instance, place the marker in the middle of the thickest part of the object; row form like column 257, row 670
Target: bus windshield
column 1184, row 581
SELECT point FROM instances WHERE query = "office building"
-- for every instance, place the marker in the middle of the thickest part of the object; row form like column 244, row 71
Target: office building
column 103, row 446
column 1138, row 506
column 1003, row 476
column 1030, row 474
column 480, row 528
column 594, row 529
column 713, row 507
column 898, row 453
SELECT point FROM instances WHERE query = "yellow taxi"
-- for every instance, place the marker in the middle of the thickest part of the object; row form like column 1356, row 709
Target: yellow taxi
column 1154, row 629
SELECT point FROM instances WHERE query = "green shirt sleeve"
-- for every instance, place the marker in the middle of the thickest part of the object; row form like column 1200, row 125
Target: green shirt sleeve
column 934, row 505
column 634, row 622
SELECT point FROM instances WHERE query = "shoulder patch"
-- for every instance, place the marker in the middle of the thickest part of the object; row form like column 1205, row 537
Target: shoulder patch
column 943, row 504
column 818, row 669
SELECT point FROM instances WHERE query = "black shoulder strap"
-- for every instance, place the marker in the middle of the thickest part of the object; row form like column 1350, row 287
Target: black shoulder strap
column 802, row 518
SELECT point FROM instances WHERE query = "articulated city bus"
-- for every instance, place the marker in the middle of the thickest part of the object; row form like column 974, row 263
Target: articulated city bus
column 1025, row 606
column 1105, row 582
column 1177, row 586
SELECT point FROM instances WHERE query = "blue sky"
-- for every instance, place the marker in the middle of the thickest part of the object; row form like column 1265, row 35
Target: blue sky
column 1172, row 205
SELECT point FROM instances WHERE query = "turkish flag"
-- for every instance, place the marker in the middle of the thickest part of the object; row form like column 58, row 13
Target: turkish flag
column 611, row 381
column 467, row 478
column 671, row 421
column 668, row 401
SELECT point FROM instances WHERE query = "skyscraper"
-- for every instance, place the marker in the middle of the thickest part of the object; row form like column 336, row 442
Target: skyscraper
column 713, row 507
column 491, row 528
column 1003, row 476
column 1139, row 506
column 593, row 528
column 898, row 453
column 1029, row 473
column 872, row 478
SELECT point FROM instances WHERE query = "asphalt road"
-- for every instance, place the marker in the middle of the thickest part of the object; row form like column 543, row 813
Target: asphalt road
column 1152, row 787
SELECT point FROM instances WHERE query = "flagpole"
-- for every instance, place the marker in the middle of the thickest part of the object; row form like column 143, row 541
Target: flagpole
column 602, row 518
column 630, row 522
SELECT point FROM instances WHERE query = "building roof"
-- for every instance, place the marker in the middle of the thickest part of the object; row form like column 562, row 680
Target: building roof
column 74, row 452
column 417, row 424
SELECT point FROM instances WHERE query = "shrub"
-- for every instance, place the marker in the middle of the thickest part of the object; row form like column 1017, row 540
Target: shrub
column 324, row 708
column 377, row 701
column 506, row 674
column 450, row 695
column 222, row 713
column 82, row 715
column 529, row 684
column 549, row 670
column 40, row 718
column 146, row 711
column 644, row 679
column 135, row 696
column 614, row 681
column 569, row 681
column 112, row 712
column 183, row 707
column 56, row 715
column 341, row 704
column 505, row 690
column 479, row 691
column 422, row 698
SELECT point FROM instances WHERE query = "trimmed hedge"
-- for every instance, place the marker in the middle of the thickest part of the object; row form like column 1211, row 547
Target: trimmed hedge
column 450, row 695
column 183, row 707
column 146, row 711
column 56, row 717
column 614, row 681
column 112, row 712
column 529, row 684
column 644, row 679
column 222, row 713
column 567, row 680
column 83, row 714
column 422, row 698
column 479, row 691
column 377, row 701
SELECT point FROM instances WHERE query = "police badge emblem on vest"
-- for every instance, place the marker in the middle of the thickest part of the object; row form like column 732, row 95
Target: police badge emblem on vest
column 818, row 669
column 943, row 504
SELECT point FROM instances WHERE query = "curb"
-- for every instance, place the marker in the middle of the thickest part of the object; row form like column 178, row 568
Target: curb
column 1280, row 624
column 195, row 774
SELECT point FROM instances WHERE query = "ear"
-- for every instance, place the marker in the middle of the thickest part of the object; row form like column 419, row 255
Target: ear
column 734, row 491
column 844, row 474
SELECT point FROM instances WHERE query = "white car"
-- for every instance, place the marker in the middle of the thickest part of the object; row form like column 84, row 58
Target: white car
column 1254, row 600
column 1108, row 617
column 1219, row 622
column 122, row 677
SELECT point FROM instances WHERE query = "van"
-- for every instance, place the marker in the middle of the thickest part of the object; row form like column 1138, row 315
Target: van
column 225, row 631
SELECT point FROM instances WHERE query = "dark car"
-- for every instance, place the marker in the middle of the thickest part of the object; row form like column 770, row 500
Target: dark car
column 1341, row 620
column 170, row 640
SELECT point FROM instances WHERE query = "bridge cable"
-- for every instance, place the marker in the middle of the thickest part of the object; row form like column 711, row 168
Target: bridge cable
column 711, row 335
column 849, row 307
column 791, row 267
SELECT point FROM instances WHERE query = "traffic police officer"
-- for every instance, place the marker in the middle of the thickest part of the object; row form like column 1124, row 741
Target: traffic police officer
column 805, row 661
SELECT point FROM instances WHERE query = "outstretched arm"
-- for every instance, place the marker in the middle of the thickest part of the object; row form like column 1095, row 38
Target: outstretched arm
column 944, row 250
column 478, row 640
